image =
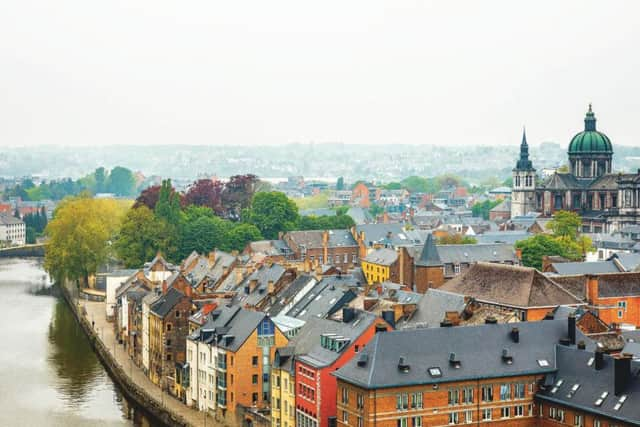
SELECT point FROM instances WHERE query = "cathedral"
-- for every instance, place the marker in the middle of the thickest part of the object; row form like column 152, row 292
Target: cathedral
column 606, row 201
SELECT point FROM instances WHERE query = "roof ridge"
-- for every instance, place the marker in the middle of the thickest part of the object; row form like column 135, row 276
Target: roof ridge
column 374, row 350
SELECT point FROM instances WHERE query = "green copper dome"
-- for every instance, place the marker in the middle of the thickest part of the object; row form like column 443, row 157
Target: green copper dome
column 590, row 140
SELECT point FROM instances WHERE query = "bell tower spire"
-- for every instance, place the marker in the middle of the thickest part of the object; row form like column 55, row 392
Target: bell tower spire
column 524, row 182
column 524, row 163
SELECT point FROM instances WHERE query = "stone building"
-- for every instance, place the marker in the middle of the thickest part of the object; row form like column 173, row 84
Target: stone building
column 606, row 201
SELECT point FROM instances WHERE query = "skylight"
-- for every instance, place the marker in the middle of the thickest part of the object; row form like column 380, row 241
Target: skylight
column 590, row 362
column 559, row 383
column 618, row 405
column 543, row 363
column 435, row 372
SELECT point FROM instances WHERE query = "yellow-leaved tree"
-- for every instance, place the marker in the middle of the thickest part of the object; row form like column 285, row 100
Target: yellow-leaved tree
column 80, row 236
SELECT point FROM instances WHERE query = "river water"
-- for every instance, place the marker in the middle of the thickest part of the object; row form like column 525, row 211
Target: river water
column 49, row 375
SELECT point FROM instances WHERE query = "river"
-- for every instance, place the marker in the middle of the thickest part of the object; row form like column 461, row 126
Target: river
column 48, row 372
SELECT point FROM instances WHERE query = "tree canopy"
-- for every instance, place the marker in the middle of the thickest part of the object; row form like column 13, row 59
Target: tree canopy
column 80, row 235
column 271, row 213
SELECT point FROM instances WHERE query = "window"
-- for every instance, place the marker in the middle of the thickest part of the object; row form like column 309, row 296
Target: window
column 467, row 395
column 620, row 314
column 354, row 258
column 168, row 343
column 254, row 379
column 597, row 423
column 505, row 391
column 518, row 411
column 578, row 421
column 402, row 401
column 416, row 421
column 416, row 400
column 168, row 327
column 360, row 400
column 254, row 360
column 487, row 393
column 518, row 391
column 345, row 395
column 504, row 412
column 177, row 313
column 486, row 414
column 345, row 417
column 622, row 305
column 468, row 417
column 456, row 268
column 345, row 259
column 454, row 418
column 453, row 396
column 401, row 422
column 169, row 356
column 359, row 419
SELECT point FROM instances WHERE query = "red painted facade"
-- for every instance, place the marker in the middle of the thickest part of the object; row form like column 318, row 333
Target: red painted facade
column 316, row 388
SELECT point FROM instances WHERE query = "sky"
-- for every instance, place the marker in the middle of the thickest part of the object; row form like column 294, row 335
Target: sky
column 87, row 72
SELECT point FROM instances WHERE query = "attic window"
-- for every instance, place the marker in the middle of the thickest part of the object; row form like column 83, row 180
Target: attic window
column 544, row 363
column 618, row 405
column 435, row 372
column 601, row 399
column 573, row 390
column 590, row 362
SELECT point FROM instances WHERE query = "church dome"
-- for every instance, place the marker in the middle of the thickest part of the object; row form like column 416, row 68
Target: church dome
column 590, row 140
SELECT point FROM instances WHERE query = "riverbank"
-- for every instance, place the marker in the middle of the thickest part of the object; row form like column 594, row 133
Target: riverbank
column 165, row 409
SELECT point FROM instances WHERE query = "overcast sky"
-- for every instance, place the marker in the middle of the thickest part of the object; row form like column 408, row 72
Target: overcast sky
column 88, row 72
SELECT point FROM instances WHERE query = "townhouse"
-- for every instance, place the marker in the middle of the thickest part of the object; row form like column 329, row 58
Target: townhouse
column 331, row 247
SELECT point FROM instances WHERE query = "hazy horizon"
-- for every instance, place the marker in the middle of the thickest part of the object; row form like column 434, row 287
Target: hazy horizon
column 251, row 73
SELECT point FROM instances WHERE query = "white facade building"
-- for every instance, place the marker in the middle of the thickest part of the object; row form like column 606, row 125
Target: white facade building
column 13, row 231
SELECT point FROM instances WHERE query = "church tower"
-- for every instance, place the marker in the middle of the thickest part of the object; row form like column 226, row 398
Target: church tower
column 523, row 197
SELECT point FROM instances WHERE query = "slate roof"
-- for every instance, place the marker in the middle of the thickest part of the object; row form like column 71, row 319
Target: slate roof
column 509, row 285
column 165, row 304
column 485, row 252
column 573, row 368
column 618, row 285
column 478, row 349
column 431, row 309
column 628, row 262
column 390, row 234
column 324, row 299
column 286, row 296
column 263, row 275
column 307, row 341
column 510, row 236
column 563, row 181
column 228, row 321
column 504, row 206
column 6, row 219
column 313, row 238
column 429, row 257
column 595, row 267
column 359, row 215
column 382, row 256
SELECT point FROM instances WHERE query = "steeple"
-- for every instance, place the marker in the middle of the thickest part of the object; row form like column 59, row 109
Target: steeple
column 524, row 163
column 590, row 120
column 429, row 256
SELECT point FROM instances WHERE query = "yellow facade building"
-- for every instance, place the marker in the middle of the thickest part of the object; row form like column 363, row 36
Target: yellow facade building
column 283, row 392
column 380, row 265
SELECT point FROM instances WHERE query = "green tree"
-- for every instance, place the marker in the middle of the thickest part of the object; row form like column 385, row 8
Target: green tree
column 534, row 248
column 100, row 177
column 142, row 235
column 30, row 235
column 272, row 212
column 240, row 235
column 566, row 225
column 482, row 209
column 457, row 239
column 80, row 236
column 121, row 182
column 393, row 186
column 204, row 234
column 168, row 205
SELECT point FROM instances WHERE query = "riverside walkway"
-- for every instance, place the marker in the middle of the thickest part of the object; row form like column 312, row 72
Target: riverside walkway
column 103, row 330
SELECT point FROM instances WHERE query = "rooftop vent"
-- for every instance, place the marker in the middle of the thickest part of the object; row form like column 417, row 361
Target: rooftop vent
column 446, row 323
column 582, row 345
column 454, row 361
column 507, row 357
column 363, row 360
column 403, row 365
column 565, row 341
column 490, row 320
column 599, row 359
column 515, row 335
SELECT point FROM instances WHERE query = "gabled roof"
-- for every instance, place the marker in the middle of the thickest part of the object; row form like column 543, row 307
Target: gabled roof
column 307, row 341
column 618, row 285
column 563, row 181
column 289, row 292
column 165, row 304
column 231, row 321
column 478, row 349
column 433, row 306
column 429, row 256
column 574, row 368
column 324, row 299
column 382, row 256
column 313, row 238
column 504, row 206
column 509, row 285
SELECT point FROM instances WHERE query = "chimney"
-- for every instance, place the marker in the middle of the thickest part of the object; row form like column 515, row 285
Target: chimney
column 622, row 372
column 187, row 290
column 506, row 356
column 592, row 289
column 271, row 287
column 212, row 257
column 253, row 284
column 403, row 365
column 582, row 345
column 571, row 324
column 239, row 276
column 515, row 334
column 599, row 359
column 389, row 317
column 379, row 290
column 519, row 254
column 164, row 287
column 348, row 314
column 325, row 238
